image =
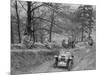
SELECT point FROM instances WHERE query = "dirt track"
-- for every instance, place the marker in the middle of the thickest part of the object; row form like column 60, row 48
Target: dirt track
column 84, row 60
column 84, row 63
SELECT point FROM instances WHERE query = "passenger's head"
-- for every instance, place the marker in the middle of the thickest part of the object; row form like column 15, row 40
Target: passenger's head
column 63, row 39
column 25, row 33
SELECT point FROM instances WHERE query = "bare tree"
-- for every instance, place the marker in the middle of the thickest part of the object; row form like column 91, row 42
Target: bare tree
column 12, row 36
column 31, row 7
column 18, row 20
column 51, row 26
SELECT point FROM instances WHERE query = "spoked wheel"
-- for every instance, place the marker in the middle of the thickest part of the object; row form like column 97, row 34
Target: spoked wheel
column 70, row 63
column 56, row 62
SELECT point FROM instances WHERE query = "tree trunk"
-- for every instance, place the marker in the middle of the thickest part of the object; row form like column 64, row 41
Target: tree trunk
column 18, row 21
column 30, row 31
column 89, row 34
column 28, row 17
column 41, row 36
column 12, row 37
column 82, row 33
column 90, row 30
column 33, row 33
column 52, row 21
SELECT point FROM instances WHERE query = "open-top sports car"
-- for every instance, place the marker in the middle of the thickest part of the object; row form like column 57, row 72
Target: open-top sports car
column 64, row 60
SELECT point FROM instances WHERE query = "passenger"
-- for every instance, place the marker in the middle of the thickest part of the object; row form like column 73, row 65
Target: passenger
column 64, row 44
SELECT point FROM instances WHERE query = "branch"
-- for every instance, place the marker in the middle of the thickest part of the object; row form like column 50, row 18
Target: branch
column 42, row 29
column 68, row 16
column 46, row 30
column 22, row 5
column 37, row 7
column 55, row 25
column 33, row 3
column 50, row 22
column 41, row 19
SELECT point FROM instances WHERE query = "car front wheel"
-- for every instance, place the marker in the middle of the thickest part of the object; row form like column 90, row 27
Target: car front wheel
column 70, row 63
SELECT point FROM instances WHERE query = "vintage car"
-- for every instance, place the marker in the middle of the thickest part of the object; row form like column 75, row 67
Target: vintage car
column 68, row 44
column 64, row 60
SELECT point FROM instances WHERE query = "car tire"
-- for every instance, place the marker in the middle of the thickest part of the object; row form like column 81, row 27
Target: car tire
column 70, row 63
column 55, row 64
